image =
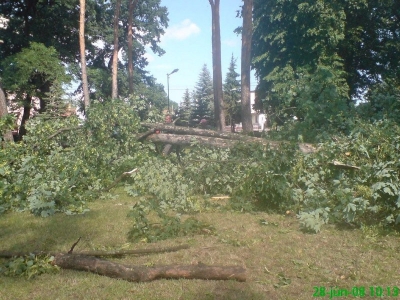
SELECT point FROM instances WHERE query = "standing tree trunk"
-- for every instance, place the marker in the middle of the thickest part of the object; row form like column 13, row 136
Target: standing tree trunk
column 3, row 112
column 85, row 84
column 114, row 91
column 245, row 64
column 132, row 5
column 217, row 69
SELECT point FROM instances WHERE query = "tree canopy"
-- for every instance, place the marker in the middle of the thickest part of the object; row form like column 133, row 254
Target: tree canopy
column 316, row 58
column 55, row 24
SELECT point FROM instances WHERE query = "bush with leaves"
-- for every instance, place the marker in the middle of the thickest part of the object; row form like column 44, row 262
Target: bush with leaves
column 164, row 226
column 172, row 185
column 365, row 191
column 62, row 163
column 265, row 177
column 365, row 196
column 28, row 266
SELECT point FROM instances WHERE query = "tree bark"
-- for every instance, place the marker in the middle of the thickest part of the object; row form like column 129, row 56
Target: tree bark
column 114, row 91
column 197, row 132
column 7, row 136
column 132, row 6
column 217, row 69
column 247, row 123
column 25, row 116
column 185, row 136
column 176, row 139
column 143, row 273
column 85, row 84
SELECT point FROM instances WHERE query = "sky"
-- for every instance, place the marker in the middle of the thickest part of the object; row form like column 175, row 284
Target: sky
column 187, row 44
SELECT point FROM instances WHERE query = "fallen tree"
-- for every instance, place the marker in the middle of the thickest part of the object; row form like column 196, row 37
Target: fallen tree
column 176, row 135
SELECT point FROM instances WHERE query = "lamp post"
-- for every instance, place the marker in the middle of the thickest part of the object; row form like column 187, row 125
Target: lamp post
column 168, row 74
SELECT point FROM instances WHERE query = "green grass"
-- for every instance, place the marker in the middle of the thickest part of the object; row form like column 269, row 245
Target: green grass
column 282, row 262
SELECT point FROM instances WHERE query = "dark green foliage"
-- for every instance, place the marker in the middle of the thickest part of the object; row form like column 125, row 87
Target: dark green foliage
column 55, row 24
column 384, row 103
column 370, row 49
column 48, row 22
column 311, row 103
column 35, row 71
column 315, row 58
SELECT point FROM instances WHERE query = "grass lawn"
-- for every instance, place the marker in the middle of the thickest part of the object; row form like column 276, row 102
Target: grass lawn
column 282, row 262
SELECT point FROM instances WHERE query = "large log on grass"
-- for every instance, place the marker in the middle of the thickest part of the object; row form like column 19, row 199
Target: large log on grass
column 143, row 273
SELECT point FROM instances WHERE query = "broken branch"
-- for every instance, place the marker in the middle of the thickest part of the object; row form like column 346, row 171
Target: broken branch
column 114, row 253
column 119, row 179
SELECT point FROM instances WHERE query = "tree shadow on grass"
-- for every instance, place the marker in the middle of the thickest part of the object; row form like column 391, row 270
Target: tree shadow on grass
column 231, row 290
column 23, row 232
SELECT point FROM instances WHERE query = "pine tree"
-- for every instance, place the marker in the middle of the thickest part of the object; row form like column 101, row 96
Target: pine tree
column 202, row 104
column 232, row 95
column 185, row 109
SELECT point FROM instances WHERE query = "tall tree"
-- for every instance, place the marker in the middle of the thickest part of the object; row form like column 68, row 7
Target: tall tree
column 7, row 135
column 35, row 72
column 132, row 5
column 247, row 32
column 295, row 46
column 51, row 23
column 114, row 91
column 82, row 47
column 232, row 95
column 202, row 98
column 217, row 69
column 149, row 21
column 310, row 56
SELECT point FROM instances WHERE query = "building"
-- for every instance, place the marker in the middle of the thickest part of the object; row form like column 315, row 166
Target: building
column 258, row 119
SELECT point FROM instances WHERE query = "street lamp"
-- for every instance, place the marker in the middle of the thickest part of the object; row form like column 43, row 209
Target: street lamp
column 168, row 74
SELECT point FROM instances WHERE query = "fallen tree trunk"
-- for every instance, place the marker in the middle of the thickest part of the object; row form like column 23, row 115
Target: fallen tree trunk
column 176, row 139
column 196, row 131
column 178, row 135
column 143, row 273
